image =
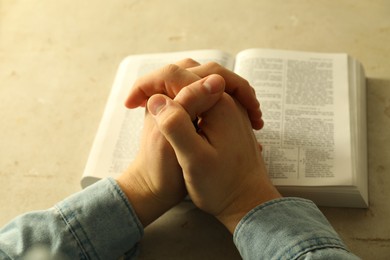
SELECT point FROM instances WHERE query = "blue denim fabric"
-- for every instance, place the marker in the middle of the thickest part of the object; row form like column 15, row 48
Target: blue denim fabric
column 97, row 223
column 288, row 228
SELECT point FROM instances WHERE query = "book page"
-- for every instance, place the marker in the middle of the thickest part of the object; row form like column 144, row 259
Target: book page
column 358, row 116
column 304, row 98
column 117, row 140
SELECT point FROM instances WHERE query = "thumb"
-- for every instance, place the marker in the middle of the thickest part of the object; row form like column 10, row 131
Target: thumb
column 201, row 95
column 174, row 117
column 176, row 125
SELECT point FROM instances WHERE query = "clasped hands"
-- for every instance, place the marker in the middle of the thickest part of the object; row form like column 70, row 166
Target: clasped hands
column 219, row 164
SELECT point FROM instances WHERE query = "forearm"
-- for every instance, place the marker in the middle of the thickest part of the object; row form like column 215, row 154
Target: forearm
column 97, row 223
column 288, row 228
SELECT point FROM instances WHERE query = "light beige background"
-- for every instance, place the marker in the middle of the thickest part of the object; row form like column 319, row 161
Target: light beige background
column 58, row 60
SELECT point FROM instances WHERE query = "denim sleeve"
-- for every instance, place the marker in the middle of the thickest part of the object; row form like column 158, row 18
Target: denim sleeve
column 96, row 223
column 288, row 228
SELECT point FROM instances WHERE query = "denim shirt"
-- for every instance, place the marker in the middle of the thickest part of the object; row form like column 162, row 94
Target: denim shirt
column 99, row 223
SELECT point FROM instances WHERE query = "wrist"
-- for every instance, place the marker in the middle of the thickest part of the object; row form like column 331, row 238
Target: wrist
column 144, row 201
column 245, row 202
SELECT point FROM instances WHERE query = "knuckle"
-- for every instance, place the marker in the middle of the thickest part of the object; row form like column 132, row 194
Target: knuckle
column 188, row 62
column 243, row 84
column 227, row 103
column 170, row 69
column 230, row 101
column 190, row 92
column 190, row 99
column 170, row 77
column 246, row 83
column 172, row 122
column 214, row 66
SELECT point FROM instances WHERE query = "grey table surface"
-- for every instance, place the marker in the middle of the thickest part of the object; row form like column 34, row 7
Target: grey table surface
column 58, row 60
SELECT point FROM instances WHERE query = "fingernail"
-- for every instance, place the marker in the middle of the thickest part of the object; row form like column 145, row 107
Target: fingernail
column 156, row 104
column 213, row 84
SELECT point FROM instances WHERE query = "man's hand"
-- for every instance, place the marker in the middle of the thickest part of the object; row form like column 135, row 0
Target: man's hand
column 222, row 165
column 154, row 182
column 172, row 78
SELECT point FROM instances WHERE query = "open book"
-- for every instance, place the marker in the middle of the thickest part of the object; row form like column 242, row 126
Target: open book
column 314, row 109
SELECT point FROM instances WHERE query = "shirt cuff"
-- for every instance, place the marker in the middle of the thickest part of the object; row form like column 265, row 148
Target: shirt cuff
column 285, row 228
column 102, row 221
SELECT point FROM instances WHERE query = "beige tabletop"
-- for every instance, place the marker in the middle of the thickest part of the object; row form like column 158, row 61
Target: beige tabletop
column 58, row 60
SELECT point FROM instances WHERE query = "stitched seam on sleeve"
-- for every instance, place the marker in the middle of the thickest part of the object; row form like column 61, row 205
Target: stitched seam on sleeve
column 73, row 228
column 330, row 243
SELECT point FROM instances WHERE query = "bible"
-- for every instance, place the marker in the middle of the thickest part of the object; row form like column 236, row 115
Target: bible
column 314, row 107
